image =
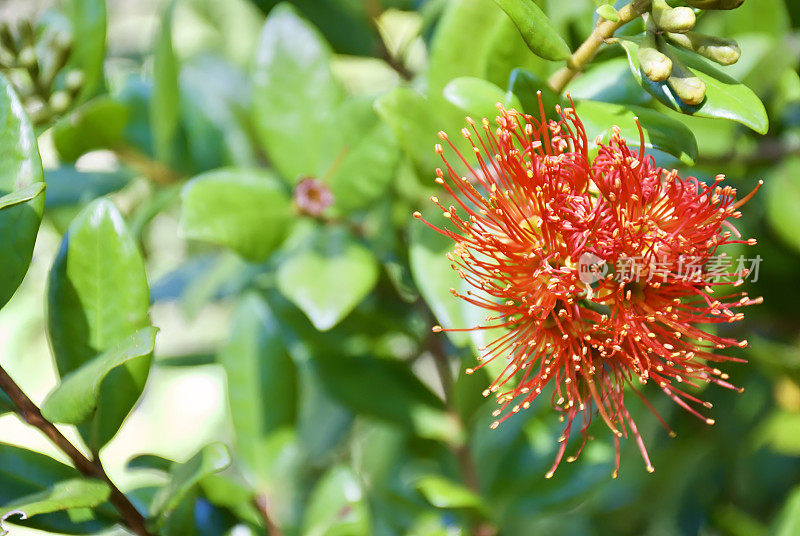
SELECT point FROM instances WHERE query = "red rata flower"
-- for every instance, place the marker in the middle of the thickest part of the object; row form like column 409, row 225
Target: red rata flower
column 532, row 215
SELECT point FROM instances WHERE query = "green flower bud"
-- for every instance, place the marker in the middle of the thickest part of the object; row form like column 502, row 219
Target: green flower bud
column 722, row 51
column 654, row 64
column 679, row 19
column 27, row 57
column 74, row 80
column 60, row 101
column 688, row 87
column 715, row 4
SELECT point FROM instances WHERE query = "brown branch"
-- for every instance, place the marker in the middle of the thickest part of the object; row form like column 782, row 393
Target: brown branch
column 604, row 30
column 32, row 415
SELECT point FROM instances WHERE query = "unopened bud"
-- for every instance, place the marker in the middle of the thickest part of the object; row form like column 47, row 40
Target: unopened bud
column 722, row 51
column 688, row 87
column 59, row 101
column 654, row 64
column 679, row 19
column 63, row 40
column 715, row 4
column 27, row 57
column 74, row 80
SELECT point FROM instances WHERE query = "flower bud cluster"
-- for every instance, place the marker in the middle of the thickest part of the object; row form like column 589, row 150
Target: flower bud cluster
column 36, row 64
column 675, row 25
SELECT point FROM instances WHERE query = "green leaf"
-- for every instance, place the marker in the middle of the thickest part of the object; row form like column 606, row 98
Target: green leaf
column 479, row 97
column 88, row 18
column 97, row 124
column 358, row 156
column 787, row 523
column 165, row 102
column 388, row 390
column 66, row 186
column 608, row 12
column 262, row 380
column 444, row 493
column 537, row 30
column 22, row 195
column 782, row 199
column 337, row 506
column 328, row 276
column 609, row 81
column 415, row 123
column 68, row 495
column 97, row 297
column 185, row 477
column 20, row 168
column 525, row 85
column 24, row 472
column 75, row 399
column 726, row 98
column 434, row 276
column 465, row 44
column 246, row 210
column 151, row 462
column 660, row 131
column 293, row 92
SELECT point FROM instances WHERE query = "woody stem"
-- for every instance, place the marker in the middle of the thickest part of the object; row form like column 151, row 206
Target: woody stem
column 32, row 415
column 604, row 30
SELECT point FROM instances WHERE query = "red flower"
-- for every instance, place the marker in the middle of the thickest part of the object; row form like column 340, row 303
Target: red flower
column 546, row 239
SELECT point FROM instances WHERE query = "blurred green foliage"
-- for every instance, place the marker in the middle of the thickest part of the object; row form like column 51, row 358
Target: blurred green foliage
column 294, row 386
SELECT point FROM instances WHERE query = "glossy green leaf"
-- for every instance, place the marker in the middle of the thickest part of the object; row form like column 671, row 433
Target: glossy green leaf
column 358, row 156
column 262, row 380
column 415, row 123
column 20, row 168
column 525, row 85
column 293, row 93
column 22, row 195
column 97, row 297
column 506, row 51
column 444, row 493
column 66, row 186
column 25, row 473
column 246, row 210
column 609, row 81
column 726, row 98
column 67, row 495
column 328, row 276
column 537, row 30
column 151, row 462
column 185, row 477
column 75, row 399
column 88, row 19
column 337, row 506
column 384, row 389
column 165, row 101
column 608, row 12
column 97, row 124
column 479, row 97
column 465, row 44
column 660, row 131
